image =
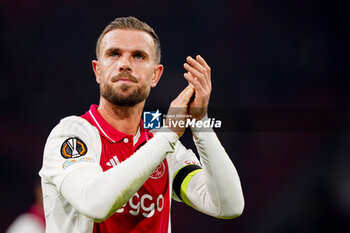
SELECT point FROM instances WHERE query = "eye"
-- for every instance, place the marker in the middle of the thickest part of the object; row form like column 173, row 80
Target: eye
column 139, row 56
column 113, row 54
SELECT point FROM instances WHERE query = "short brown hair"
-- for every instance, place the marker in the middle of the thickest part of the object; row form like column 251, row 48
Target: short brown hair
column 133, row 24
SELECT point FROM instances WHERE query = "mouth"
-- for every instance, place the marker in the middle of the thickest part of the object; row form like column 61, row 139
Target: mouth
column 126, row 80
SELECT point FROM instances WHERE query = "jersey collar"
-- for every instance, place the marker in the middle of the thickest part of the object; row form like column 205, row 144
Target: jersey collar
column 111, row 134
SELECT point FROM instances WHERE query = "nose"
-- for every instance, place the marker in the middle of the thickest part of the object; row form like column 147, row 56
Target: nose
column 124, row 64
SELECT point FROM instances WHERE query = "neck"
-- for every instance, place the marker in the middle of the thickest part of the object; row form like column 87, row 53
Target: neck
column 124, row 119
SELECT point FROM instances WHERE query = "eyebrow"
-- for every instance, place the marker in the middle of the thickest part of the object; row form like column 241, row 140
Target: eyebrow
column 108, row 51
column 141, row 52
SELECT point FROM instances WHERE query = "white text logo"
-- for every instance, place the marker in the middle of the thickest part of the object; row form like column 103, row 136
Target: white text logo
column 138, row 204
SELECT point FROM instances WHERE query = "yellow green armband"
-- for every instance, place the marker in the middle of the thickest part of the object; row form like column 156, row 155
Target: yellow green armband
column 182, row 179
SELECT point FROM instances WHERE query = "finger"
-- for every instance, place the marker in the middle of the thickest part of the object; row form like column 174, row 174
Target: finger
column 197, row 76
column 195, row 64
column 185, row 95
column 185, row 91
column 188, row 95
column 202, row 62
column 194, row 82
column 188, row 90
column 206, row 66
column 194, row 72
column 191, row 80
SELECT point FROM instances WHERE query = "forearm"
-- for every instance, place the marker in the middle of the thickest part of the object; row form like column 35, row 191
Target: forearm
column 218, row 184
column 98, row 194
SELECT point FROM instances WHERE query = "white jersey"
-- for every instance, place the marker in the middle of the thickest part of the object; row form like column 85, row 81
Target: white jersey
column 79, row 192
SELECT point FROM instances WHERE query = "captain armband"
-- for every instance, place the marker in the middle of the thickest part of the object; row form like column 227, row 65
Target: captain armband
column 182, row 179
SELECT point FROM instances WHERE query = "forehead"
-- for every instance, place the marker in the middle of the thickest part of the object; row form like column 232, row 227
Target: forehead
column 127, row 40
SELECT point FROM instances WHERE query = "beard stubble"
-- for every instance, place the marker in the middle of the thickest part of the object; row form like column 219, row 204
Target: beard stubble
column 118, row 96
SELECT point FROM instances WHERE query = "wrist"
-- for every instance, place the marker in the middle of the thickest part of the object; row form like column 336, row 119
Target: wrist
column 201, row 125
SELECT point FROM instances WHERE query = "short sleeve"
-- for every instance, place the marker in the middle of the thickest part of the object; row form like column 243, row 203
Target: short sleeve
column 72, row 144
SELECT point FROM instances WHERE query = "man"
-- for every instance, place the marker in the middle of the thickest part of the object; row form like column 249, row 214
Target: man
column 103, row 172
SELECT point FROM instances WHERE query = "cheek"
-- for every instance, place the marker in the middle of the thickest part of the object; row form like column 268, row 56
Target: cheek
column 107, row 67
column 149, row 77
column 148, row 72
column 104, row 75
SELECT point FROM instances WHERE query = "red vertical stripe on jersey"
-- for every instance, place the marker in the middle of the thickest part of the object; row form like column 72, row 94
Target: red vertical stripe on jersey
column 149, row 209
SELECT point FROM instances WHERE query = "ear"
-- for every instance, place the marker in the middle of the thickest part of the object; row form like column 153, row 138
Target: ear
column 157, row 73
column 96, row 68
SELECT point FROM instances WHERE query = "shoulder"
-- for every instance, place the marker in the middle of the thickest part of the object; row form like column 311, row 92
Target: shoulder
column 73, row 134
column 75, row 122
column 74, row 126
column 72, row 141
